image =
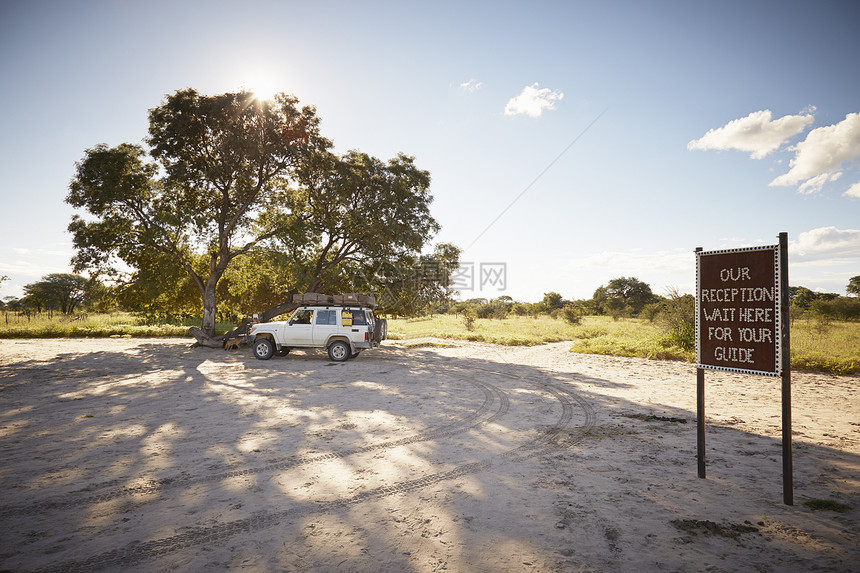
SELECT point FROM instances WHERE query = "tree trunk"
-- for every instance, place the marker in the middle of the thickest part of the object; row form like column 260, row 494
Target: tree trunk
column 210, row 308
column 204, row 340
column 206, row 336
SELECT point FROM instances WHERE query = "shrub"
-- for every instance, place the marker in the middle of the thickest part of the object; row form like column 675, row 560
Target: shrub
column 677, row 318
column 469, row 319
column 494, row 309
column 572, row 314
column 840, row 308
column 521, row 309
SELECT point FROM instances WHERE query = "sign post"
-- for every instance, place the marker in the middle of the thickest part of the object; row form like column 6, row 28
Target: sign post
column 787, row 462
column 742, row 326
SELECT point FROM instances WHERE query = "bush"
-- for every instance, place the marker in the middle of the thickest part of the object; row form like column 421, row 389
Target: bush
column 469, row 317
column 652, row 310
column 840, row 308
column 494, row 309
column 521, row 309
column 572, row 313
column 677, row 318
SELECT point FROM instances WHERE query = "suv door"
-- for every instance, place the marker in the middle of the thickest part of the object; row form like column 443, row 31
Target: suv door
column 325, row 324
column 299, row 330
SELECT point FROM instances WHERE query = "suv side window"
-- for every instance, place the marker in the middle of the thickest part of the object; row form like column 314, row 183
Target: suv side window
column 359, row 318
column 327, row 317
column 302, row 317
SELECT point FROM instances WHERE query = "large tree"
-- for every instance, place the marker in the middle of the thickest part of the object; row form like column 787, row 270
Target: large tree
column 213, row 184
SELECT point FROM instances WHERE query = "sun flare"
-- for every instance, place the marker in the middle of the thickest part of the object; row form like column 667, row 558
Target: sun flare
column 263, row 86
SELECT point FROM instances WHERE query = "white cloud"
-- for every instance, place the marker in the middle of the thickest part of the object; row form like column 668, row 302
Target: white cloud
column 823, row 152
column 757, row 133
column 826, row 243
column 472, row 85
column 815, row 184
column 533, row 100
column 25, row 252
column 853, row 191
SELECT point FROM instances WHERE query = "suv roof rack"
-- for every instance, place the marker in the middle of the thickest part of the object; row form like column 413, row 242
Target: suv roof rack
column 316, row 299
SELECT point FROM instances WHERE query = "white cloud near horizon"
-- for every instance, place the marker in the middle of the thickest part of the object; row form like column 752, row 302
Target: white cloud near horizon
column 758, row 133
column 533, row 101
column 826, row 243
column 820, row 157
column 660, row 269
column 472, row 85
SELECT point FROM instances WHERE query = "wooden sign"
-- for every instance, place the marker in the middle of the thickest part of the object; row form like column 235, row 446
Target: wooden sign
column 738, row 318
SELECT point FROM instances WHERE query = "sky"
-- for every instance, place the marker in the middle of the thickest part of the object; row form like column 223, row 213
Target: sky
column 569, row 143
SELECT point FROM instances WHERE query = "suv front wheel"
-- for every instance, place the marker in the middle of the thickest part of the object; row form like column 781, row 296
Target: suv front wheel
column 263, row 348
column 339, row 351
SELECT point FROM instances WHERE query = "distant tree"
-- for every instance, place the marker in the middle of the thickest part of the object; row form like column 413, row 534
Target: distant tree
column 801, row 297
column 623, row 296
column 836, row 308
column 61, row 291
column 853, row 288
column 552, row 301
column 213, row 186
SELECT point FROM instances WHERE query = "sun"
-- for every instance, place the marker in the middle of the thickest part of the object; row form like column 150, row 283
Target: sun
column 261, row 80
column 263, row 85
column 263, row 92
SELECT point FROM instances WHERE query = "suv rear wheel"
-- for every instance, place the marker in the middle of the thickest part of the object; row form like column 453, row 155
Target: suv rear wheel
column 339, row 351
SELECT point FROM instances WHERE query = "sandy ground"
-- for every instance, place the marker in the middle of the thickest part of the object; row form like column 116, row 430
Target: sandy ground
column 147, row 455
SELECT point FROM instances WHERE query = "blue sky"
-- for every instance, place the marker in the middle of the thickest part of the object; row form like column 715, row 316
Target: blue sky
column 612, row 137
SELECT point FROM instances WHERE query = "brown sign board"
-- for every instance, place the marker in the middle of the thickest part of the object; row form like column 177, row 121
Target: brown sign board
column 738, row 310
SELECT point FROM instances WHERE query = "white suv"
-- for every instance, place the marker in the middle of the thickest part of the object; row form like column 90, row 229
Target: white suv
column 343, row 330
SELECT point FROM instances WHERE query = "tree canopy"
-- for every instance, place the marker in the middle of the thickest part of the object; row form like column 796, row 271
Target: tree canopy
column 623, row 295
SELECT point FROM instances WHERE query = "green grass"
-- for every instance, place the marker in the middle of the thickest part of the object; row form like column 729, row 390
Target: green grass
column 832, row 348
column 594, row 335
column 827, row 504
column 43, row 325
